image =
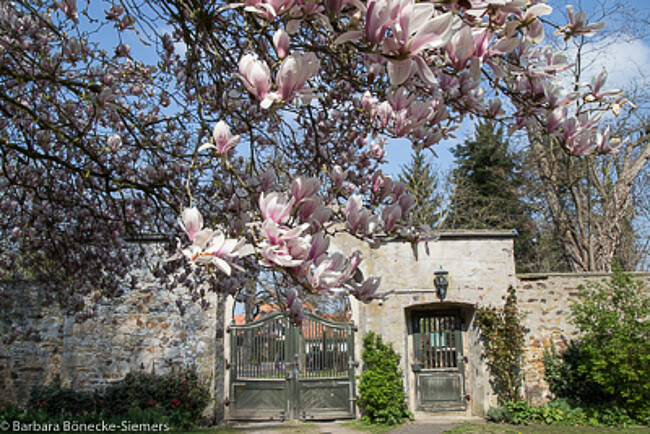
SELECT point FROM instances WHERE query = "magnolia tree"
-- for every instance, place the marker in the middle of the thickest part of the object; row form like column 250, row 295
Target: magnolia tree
column 419, row 68
column 264, row 124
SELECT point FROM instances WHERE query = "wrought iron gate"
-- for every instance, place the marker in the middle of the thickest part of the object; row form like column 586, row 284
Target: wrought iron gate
column 283, row 370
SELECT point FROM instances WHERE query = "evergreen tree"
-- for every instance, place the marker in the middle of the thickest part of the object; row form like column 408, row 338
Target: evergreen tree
column 487, row 183
column 423, row 183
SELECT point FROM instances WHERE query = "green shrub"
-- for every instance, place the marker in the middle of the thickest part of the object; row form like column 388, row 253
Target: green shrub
column 381, row 390
column 612, row 319
column 178, row 399
column 503, row 340
column 559, row 412
column 60, row 401
column 567, row 381
column 178, row 393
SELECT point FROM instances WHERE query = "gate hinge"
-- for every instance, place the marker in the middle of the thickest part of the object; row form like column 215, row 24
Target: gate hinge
column 227, row 364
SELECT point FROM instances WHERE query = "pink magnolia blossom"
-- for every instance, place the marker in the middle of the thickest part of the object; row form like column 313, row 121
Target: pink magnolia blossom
column 335, row 271
column 596, row 88
column 256, row 77
column 384, row 112
column 555, row 119
column 308, row 206
column 604, row 143
column 377, row 149
column 338, row 176
column 304, row 188
column 319, row 246
column 69, row 7
column 360, row 221
column 222, row 140
column 416, row 30
column 191, row 221
column 390, row 215
column 577, row 25
column 380, row 15
column 460, row 48
column 282, row 246
column 400, row 99
column 275, row 207
column 399, row 188
column 269, row 9
column 295, row 306
column 368, row 102
column 293, row 74
column 319, row 217
column 382, row 185
column 366, row 292
column 281, row 43
column 329, row 273
column 495, row 110
column 114, row 142
column 406, row 202
column 534, row 30
column 208, row 247
column 217, row 251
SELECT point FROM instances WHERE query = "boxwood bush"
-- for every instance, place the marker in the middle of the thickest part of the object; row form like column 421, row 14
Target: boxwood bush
column 381, row 390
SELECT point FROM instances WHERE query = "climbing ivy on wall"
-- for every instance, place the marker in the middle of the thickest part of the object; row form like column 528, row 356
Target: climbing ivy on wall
column 503, row 345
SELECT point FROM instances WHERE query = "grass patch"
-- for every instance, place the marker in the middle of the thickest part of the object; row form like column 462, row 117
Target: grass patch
column 472, row 428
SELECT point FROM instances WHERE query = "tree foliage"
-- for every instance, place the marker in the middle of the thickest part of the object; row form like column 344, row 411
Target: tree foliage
column 423, row 182
column 567, row 381
column 487, row 190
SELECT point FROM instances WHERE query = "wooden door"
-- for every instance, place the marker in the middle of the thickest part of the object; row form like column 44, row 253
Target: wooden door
column 439, row 361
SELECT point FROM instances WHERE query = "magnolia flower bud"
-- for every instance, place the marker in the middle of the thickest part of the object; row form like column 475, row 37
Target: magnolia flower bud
column 281, row 43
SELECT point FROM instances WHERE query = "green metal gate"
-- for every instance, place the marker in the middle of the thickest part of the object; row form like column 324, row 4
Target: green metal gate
column 280, row 370
column 439, row 367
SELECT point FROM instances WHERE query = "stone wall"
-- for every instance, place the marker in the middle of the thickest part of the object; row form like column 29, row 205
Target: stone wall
column 143, row 329
column 545, row 299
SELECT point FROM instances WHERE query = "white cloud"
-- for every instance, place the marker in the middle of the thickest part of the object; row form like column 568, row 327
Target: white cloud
column 626, row 60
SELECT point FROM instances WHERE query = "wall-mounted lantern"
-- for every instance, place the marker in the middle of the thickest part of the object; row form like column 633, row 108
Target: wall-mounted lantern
column 441, row 283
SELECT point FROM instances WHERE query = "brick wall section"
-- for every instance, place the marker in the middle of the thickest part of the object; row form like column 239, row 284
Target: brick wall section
column 545, row 299
column 141, row 330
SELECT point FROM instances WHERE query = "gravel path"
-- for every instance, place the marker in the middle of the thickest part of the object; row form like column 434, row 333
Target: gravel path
column 428, row 427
